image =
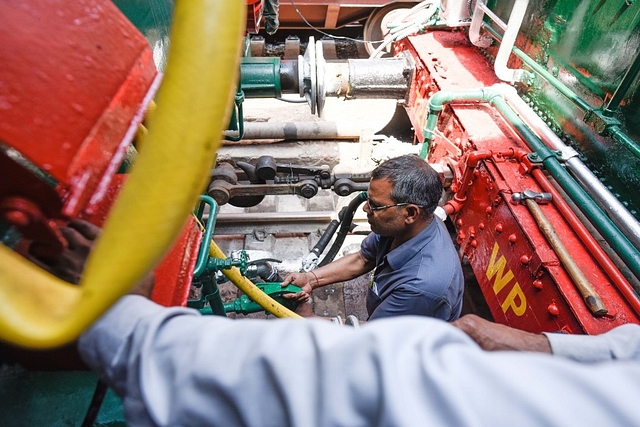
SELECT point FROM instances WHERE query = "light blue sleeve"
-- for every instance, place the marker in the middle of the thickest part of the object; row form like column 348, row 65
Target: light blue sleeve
column 621, row 343
column 174, row 367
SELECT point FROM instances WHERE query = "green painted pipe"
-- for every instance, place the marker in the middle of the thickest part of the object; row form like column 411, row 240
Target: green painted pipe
column 620, row 244
column 614, row 131
column 437, row 102
column 600, row 220
column 203, row 255
column 624, row 139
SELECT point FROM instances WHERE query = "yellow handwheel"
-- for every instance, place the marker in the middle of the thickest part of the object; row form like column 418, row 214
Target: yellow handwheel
column 37, row 309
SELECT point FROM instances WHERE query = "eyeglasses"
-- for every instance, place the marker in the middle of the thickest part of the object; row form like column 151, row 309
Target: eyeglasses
column 379, row 208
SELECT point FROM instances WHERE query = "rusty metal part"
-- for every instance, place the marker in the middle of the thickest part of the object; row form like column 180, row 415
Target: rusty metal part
column 33, row 224
column 252, row 183
column 589, row 294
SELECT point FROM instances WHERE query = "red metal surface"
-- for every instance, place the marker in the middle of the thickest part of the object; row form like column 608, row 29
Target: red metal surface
column 75, row 99
column 254, row 14
column 519, row 274
column 175, row 273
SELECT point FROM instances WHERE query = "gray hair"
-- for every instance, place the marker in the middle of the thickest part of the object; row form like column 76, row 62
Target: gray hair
column 413, row 180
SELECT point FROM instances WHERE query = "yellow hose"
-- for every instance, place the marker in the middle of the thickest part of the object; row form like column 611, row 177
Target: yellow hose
column 252, row 291
column 38, row 310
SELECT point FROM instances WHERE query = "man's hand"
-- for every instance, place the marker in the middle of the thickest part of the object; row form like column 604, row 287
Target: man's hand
column 302, row 280
column 494, row 337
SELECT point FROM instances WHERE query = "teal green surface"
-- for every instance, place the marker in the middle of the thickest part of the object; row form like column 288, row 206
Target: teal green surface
column 52, row 399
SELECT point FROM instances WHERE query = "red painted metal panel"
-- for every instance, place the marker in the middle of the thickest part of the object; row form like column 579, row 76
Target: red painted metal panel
column 520, row 276
column 71, row 103
column 174, row 275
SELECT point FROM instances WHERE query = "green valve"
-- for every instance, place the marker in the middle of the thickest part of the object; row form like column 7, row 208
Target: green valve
column 244, row 305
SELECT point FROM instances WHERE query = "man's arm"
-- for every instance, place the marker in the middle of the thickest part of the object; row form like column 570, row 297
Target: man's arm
column 621, row 343
column 495, row 337
column 173, row 366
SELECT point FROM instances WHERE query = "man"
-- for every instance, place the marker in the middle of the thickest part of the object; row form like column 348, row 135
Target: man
column 416, row 269
column 173, row 367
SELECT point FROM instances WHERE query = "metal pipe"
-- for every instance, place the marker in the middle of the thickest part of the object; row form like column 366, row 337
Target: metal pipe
column 617, row 278
column 368, row 78
column 539, row 69
column 437, row 102
column 619, row 214
column 203, row 255
column 624, row 139
column 300, row 131
column 600, row 220
column 508, row 40
column 273, row 217
column 590, row 296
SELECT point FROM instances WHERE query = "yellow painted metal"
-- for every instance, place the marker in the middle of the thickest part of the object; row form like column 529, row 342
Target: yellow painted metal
column 252, row 291
column 38, row 310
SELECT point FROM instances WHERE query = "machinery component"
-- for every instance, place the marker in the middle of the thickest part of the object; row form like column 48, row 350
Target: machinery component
column 345, row 226
column 591, row 297
column 208, row 232
column 517, row 270
column 365, row 78
column 229, row 185
column 251, row 290
column 310, row 262
column 313, row 78
column 244, row 305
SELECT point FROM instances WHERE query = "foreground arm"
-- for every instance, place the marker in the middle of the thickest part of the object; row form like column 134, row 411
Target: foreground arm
column 621, row 343
column 174, row 367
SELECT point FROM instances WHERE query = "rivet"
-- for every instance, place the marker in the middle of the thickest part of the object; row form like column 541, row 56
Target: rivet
column 460, row 222
column 499, row 227
column 489, row 210
column 18, row 218
column 538, row 284
column 474, row 243
column 553, row 309
column 481, row 226
column 525, row 259
column 513, row 238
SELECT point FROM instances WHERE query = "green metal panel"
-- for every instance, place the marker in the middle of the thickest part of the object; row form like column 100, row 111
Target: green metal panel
column 588, row 46
column 153, row 20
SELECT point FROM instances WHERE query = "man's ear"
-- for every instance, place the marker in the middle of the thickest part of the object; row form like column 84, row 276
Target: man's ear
column 413, row 213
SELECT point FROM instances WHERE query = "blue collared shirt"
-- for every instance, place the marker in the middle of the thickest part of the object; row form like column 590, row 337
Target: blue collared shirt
column 423, row 276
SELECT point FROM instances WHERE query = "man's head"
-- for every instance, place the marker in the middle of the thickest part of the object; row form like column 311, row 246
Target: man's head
column 412, row 180
column 403, row 191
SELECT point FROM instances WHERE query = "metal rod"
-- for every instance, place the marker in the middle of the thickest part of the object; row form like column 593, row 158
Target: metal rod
column 590, row 296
